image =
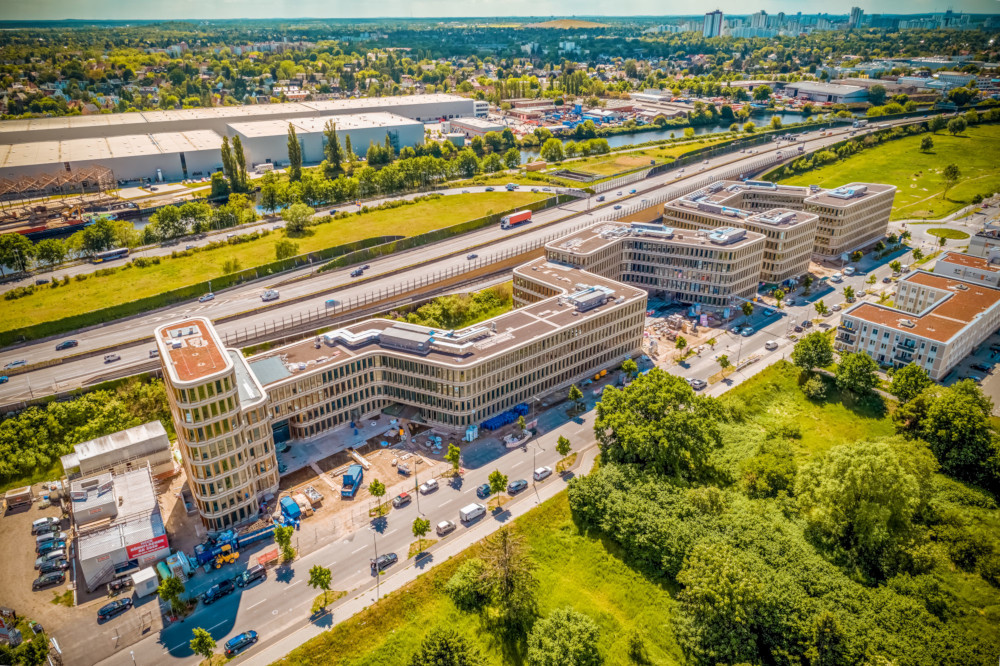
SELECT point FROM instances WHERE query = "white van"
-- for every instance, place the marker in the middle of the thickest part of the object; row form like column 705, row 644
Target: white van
column 471, row 512
column 849, row 270
column 836, row 277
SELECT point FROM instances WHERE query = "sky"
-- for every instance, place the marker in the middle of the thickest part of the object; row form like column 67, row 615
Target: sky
column 219, row 9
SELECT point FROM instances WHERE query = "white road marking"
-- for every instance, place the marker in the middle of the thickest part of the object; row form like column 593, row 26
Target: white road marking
column 256, row 604
column 444, row 504
column 518, row 463
column 295, row 583
column 358, row 550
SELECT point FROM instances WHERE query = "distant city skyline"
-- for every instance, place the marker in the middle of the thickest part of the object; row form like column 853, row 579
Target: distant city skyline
column 278, row 9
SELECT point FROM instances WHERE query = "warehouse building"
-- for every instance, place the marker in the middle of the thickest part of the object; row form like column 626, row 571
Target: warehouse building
column 267, row 142
column 471, row 127
column 423, row 108
column 117, row 453
column 935, row 323
column 118, row 523
column 166, row 156
column 826, row 92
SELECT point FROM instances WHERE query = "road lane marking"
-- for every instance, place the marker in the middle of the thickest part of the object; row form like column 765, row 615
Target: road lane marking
column 256, row 604
column 353, row 552
column 519, row 462
column 295, row 583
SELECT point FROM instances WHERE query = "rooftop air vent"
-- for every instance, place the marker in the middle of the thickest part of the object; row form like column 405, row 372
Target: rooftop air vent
column 908, row 323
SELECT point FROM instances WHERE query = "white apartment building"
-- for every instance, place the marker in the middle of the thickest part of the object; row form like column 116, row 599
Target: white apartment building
column 936, row 322
column 979, row 270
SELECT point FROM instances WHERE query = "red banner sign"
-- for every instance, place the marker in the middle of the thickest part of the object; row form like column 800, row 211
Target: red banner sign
column 146, row 547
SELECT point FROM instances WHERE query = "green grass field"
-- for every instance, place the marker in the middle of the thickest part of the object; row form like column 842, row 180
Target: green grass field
column 917, row 174
column 130, row 284
column 608, row 165
column 573, row 569
column 950, row 234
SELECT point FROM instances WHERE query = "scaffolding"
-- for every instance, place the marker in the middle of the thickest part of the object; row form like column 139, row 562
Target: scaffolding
column 52, row 201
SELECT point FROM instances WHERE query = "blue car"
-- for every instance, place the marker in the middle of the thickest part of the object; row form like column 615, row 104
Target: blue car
column 483, row 491
column 237, row 643
column 4, row 379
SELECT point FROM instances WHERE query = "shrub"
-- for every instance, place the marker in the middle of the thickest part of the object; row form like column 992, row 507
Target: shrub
column 815, row 388
column 466, row 587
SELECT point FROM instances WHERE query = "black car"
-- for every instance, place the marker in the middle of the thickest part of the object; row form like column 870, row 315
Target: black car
column 982, row 367
column 357, row 272
column 483, row 491
column 383, row 562
column 108, row 611
column 256, row 572
column 218, row 591
column 66, row 344
column 237, row 643
column 48, row 580
column 53, row 566
column 514, row 487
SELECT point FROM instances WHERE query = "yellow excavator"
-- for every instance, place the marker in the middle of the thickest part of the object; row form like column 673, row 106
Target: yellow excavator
column 226, row 556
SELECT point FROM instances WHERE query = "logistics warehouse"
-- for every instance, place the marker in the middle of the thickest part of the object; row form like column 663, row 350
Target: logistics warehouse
column 174, row 145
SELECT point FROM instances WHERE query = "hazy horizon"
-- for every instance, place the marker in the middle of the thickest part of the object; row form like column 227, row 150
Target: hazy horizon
column 55, row 10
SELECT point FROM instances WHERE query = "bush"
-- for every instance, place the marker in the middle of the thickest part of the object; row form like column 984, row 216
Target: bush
column 967, row 546
column 815, row 388
column 466, row 587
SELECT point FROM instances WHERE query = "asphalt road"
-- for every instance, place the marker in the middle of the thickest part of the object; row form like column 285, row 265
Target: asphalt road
column 385, row 274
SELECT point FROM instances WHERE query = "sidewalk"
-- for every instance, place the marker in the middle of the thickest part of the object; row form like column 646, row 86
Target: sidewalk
column 349, row 607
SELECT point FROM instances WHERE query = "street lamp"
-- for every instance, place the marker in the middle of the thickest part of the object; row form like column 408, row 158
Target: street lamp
column 378, row 574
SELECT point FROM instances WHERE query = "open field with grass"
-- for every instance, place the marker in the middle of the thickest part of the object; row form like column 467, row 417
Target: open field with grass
column 950, row 234
column 918, row 175
column 129, row 284
column 567, row 24
column 607, row 165
column 573, row 569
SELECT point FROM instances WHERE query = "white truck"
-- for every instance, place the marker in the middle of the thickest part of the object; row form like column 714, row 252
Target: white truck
column 471, row 512
column 269, row 295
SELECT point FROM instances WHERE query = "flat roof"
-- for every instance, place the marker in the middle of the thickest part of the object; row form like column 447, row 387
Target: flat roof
column 850, row 194
column 246, row 111
column 138, row 517
column 101, row 148
column 968, row 261
column 317, row 124
column 191, row 350
column 832, row 88
column 960, row 304
column 602, row 235
column 465, row 347
column 120, row 440
column 476, row 122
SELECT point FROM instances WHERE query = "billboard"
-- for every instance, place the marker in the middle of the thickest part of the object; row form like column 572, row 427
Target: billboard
column 146, row 547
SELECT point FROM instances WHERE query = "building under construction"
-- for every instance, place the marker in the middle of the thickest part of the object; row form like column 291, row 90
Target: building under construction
column 59, row 201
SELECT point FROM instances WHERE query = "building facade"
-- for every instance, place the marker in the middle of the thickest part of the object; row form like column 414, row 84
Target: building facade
column 935, row 323
column 978, row 270
column 117, row 453
column 713, row 24
column 223, row 423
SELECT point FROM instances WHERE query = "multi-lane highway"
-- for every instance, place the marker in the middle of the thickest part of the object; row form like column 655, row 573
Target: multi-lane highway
column 386, row 274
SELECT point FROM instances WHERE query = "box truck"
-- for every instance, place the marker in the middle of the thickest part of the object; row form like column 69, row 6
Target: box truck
column 515, row 219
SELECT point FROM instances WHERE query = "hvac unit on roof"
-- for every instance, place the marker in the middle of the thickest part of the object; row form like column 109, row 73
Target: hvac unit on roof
column 908, row 323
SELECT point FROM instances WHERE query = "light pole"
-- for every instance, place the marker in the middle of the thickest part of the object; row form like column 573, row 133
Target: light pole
column 378, row 573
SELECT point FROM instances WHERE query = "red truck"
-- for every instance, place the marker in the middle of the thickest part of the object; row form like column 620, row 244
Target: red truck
column 515, row 219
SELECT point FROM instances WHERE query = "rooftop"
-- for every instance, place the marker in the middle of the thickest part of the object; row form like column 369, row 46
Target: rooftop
column 583, row 295
column 476, row 122
column 850, row 194
column 600, row 236
column 129, row 145
column 830, row 88
column 959, row 304
column 317, row 124
column 118, row 440
column 138, row 517
column 969, row 261
column 191, row 350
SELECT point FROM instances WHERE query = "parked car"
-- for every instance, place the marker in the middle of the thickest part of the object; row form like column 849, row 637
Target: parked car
column 48, row 580
column 837, row 307
column 217, row 591
column 66, row 344
column 887, row 279
column 383, row 562
column 806, row 323
column 483, row 491
column 747, row 331
column 982, row 367
column 206, row 298
column 47, row 524
column 111, row 358
column 237, row 643
column 50, row 556
column 62, row 564
column 366, row 267
column 850, row 270
column 542, row 473
column 108, row 611
column 445, row 527
column 770, row 345
column 46, row 547
column 401, row 500
column 428, row 486
column 798, row 329
column 256, row 572
column 514, row 487
column 698, row 384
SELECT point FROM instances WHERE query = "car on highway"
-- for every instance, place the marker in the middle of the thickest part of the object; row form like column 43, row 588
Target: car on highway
column 366, row 267
column 237, row 643
column 428, row 486
column 66, row 344
column 445, row 527
column 206, row 298
column 514, row 487
column 331, row 303
column 256, row 572
column 4, row 379
column 189, row 247
column 471, row 256
column 108, row 611
column 48, row 580
column 270, row 295
column 546, row 189
column 357, row 272
column 217, row 591
column 383, row 562
column 41, row 281
column 631, row 191
column 770, row 345
column 401, row 500
column 111, row 358
column 698, row 384
column 747, row 331
column 483, row 491
column 618, row 206
column 600, row 198
column 542, row 473
column 534, row 189
column 154, row 353
column 489, row 189
column 465, row 191
column 60, row 564
column 15, row 364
